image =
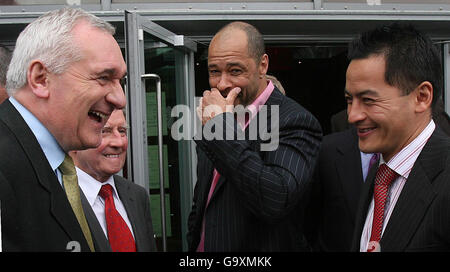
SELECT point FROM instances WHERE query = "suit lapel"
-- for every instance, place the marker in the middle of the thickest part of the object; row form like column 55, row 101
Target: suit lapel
column 59, row 205
column 348, row 166
column 365, row 198
column 416, row 196
column 100, row 241
column 127, row 198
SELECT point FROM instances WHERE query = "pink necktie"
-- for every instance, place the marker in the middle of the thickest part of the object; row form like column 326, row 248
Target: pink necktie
column 201, row 245
column 119, row 235
column 383, row 180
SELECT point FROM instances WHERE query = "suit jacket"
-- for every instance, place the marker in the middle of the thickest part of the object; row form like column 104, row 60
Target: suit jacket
column 339, row 121
column 36, row 214
column 420, row 220
column 337, row 181
column 136, row 201
column 253, row 206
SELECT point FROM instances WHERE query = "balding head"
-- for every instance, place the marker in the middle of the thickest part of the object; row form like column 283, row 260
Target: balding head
column 255, row 41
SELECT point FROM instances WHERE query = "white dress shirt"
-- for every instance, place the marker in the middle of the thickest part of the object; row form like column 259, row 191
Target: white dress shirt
column 401, row 163
column 91, row 187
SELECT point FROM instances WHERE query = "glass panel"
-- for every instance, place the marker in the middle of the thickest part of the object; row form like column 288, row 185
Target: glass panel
column 161, row 59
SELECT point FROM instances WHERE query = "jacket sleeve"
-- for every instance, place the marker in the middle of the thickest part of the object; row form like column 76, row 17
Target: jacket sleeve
column 269, row 183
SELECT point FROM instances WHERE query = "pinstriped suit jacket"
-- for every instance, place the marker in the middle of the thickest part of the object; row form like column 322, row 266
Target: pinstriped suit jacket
column 421, row 217
column 254, row 205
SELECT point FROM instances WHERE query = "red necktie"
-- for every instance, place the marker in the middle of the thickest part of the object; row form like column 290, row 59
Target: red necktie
column 119, row 235
column 201, row 245
column 383, row 180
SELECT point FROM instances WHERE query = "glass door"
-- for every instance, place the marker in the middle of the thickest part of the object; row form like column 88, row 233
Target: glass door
column 160, row 77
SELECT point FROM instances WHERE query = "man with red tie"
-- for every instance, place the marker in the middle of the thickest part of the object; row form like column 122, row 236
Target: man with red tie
column 392, row 83
column 117, row 210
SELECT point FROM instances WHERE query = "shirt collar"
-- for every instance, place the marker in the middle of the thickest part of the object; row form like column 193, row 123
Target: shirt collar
column 53, row 152
column 403, row 161
column 259, row 101
column 91, row 187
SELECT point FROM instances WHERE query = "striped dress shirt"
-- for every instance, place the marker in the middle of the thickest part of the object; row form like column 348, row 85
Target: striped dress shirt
column 401, row 163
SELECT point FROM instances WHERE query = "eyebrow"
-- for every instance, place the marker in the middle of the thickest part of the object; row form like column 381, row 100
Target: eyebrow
column 213, row 65
column 365, row 92
column 111, row 72
column 109, row 127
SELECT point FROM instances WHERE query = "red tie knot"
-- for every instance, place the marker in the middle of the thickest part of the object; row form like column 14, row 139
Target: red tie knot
column 106, row 191
column 385, row 175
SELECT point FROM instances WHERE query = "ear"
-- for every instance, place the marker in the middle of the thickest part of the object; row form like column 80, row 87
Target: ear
column 423, row 96
column 38, row 79
column 263, row 65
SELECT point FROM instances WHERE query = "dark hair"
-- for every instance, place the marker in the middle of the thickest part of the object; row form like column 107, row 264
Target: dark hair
column 5, row 58
column 255, row 41
column 411, row 57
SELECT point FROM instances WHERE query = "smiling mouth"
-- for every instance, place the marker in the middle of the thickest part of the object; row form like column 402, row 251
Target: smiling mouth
column 365, row 131
column 98, row 116
column 111, row 155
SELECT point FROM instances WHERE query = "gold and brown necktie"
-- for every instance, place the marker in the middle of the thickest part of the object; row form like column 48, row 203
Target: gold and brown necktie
column 70, row 181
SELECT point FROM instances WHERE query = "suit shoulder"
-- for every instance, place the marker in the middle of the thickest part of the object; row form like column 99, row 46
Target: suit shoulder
column 290, row 110
column 133, row 186
column 338, row 138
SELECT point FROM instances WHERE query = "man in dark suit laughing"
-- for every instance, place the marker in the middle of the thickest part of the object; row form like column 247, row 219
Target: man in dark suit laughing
column 393, row 81
column 247, row 191
column 63, row 82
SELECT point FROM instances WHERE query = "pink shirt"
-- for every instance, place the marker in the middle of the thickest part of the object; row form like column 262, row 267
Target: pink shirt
column 254, row 108
column 259, row 102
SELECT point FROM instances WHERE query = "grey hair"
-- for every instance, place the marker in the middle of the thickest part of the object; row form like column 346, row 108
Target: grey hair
column 50, row 40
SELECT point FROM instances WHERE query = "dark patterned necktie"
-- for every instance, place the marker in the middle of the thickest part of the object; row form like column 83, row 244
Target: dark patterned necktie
column 119, row 235
column 384, row 178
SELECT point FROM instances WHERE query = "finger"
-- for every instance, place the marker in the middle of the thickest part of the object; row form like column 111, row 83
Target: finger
column 200, row 108
column 206, row 92
column 232, row 95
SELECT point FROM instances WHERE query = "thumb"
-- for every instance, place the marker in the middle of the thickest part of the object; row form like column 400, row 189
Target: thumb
column 232, row 95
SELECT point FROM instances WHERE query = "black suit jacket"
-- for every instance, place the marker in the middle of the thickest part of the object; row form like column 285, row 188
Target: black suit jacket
column 136, row 201
column 337, row 182
column 253, row 207
column 420, row 220
column 36, row 214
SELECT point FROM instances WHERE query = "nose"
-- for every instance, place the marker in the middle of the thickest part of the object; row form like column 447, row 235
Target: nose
column 116, row 139
column 224, row 83
column 116, row 96
column 355, row 112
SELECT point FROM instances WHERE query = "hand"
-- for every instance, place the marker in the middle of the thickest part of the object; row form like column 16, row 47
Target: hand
column 213, row 103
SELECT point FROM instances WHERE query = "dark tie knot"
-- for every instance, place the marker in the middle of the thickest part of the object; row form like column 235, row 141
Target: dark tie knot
column 106, row 191
column 385, row 176
column 67, row 167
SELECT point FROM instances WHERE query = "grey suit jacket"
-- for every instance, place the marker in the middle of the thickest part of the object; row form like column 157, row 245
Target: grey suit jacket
column 420, row 220
column 137, row 205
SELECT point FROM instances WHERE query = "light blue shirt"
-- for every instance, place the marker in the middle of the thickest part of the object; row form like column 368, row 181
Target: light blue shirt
column 365, row 163
column 53, row 152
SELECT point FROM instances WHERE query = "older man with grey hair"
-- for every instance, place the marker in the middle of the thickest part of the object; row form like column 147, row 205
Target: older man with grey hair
column 63, row 82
